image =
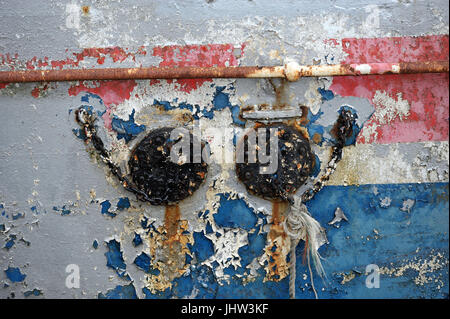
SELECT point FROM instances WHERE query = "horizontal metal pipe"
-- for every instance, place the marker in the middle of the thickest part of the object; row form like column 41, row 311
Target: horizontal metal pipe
column 291, row 71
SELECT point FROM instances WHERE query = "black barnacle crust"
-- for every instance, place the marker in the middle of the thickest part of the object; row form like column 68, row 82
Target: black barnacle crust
column 295, row 164
column 154, row 173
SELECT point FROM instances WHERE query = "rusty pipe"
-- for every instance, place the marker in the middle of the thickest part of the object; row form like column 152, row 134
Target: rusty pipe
column 291, row 71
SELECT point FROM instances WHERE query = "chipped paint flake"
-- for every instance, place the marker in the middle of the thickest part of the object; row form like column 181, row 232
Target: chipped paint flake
column 425, row 269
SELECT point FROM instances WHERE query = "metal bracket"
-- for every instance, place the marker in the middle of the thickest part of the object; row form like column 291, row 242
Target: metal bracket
column 272, row 115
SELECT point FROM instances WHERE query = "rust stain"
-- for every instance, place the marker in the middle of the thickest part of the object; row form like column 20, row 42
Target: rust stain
column 264, row 106
column 201, row 174
column 85, row 10
column 258, row 125
column 245, row 109
column 176, row 240
column 278, row 210
column 317, row 138
column 424, row 67
column 266, row 72
column 347, row 69
column 281, row 91
column 298, row 125
column 183, row 116
column 171, row 223
column 304, row 118
column 168, row 246
column 277, row 267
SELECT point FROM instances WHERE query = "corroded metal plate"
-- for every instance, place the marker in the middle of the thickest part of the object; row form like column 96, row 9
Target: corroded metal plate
column 295, row 163
column 163, row 180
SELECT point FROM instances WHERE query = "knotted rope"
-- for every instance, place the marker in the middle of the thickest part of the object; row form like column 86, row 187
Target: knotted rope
column 299, row 225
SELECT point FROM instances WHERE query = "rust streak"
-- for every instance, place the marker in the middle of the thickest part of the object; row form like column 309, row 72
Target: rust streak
column 278, row 260
column 281, row 92
column 172, row 222
column 424, row 67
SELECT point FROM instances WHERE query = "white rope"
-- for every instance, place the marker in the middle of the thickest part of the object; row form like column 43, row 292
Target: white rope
column 312, row 278
column 299, row 225
column 292, row 269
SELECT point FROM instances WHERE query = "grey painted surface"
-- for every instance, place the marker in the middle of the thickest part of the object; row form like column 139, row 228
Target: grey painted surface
column 42, row 164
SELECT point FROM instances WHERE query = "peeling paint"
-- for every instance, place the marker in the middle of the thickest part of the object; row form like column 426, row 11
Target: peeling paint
column 424, row 269
column 59, row 205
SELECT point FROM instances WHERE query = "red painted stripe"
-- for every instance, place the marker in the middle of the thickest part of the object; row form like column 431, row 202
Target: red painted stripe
column 396, row 49
column 427, row 94
column 197, row 55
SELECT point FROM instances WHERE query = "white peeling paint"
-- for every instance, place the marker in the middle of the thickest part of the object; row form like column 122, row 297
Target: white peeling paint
column 391, row 163
column 389, row 108
column 363, row 68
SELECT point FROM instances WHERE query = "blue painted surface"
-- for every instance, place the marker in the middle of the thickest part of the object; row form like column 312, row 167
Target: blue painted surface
column 316, row 169
column 313, row 128
column 63, row 210
column 106, row 205
column 159, row 295
column 145, row 224
column 403, row 237
column 18, row 215
column 114, row 258
column 234, row 214
column 37, row 211
column 203, row 248
column 327, row 95
column 126, row 129
column 401, row 234
column 201, row 278
column 93, row 100
column 123, row 203
column 10, row 242
column 91, row 103
column 256, row 245
column 143, row 261
column 137, row 240
column 14, row 274
column 34, row 292
column 120, row 292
